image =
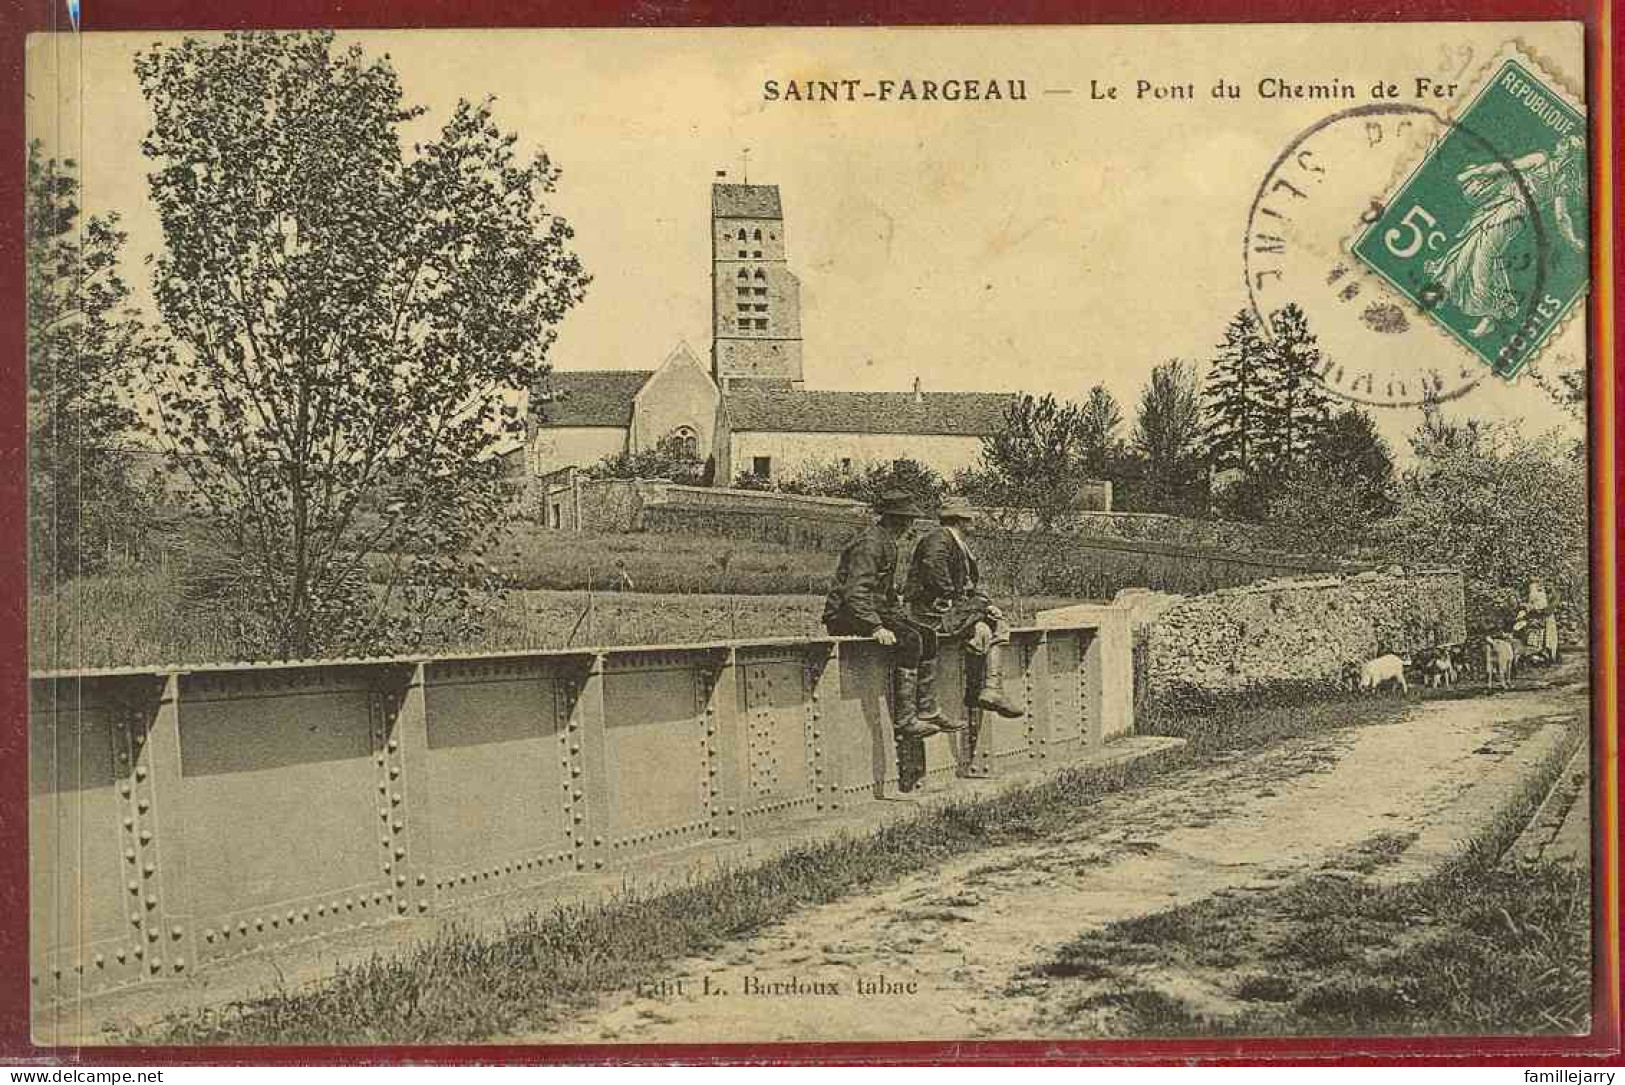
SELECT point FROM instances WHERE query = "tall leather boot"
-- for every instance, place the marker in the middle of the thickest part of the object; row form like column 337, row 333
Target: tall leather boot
column 927, row 707
column 905, row 708
column 992, row 695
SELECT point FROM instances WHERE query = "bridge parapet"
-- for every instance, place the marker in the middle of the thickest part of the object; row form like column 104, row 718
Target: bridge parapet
column 180, row 816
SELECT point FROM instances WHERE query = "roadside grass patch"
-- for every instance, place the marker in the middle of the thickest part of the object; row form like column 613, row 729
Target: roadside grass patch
column 1240, row 723
column 1372, row 854
column 1480, row 946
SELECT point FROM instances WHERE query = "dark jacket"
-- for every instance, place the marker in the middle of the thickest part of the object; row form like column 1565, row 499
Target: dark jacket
column 941, row 570
column 865, row 581
column 944, row 590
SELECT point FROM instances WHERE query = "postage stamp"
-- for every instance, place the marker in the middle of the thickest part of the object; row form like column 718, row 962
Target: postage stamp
column 1487, row 235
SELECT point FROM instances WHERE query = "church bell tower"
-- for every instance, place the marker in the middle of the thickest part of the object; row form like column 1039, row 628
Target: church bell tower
column 756, row 301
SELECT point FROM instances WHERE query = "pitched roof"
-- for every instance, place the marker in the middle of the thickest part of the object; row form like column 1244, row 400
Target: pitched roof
column 959, row 414
column 587, row 397
column 745, row 202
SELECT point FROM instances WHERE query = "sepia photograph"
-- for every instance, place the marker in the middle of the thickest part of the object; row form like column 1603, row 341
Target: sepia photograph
column 768, row 535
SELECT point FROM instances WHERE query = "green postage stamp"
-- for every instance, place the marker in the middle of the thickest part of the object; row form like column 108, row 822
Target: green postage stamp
column 1487, row 235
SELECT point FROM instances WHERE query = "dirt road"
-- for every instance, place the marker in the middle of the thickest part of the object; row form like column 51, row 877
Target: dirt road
column 949, row 954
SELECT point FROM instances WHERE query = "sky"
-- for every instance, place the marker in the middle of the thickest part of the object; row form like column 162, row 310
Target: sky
column 1044, row 245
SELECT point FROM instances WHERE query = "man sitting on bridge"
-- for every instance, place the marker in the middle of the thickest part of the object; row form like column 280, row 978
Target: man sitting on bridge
column 944, row 593
column 863, row 602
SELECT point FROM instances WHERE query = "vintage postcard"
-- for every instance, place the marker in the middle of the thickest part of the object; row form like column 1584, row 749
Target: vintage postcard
column 648, row 537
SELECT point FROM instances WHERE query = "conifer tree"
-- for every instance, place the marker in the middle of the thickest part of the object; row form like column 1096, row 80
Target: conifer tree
column 1236, row 396
column 1299, row 407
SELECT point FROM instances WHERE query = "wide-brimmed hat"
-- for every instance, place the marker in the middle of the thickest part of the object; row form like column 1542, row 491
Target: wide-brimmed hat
column 956, row 508
column 898, row 503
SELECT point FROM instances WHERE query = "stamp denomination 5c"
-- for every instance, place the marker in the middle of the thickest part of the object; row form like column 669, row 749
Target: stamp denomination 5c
column 1487, row 235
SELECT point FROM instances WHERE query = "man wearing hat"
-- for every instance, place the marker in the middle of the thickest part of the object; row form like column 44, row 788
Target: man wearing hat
column 944, row 593
column 863, row 602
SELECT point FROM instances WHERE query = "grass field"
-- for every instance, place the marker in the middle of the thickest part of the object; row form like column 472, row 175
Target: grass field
column 468, row 986
column 535, row 558
column 139, row 619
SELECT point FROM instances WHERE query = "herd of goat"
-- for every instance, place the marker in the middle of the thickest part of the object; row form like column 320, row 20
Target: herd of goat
column 1499, row 656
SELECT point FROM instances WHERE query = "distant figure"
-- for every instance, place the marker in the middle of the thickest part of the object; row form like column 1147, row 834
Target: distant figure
column 1535, row 626
column 863, row 602
column 944, row 593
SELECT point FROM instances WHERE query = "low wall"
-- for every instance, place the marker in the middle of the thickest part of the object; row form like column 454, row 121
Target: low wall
column 1158, row 527
column 1095, row 568
column 567, row 500
column 181, row 817
column 727, row 498
column 1285, row 636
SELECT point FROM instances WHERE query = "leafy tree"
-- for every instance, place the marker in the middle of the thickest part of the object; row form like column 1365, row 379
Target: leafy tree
column 1030, row 479
column 352, row 319
column 1299, row 407
column 1333, row 502
column 669, row 459
column 911, row 475
column 1099, row 443
column 1310, row 513
column 1503, row 508
column 1035, row 463
column 1353, row 455
column 84, row 345
column 1167, row 431
column 1439, row 434
column 1237, row 396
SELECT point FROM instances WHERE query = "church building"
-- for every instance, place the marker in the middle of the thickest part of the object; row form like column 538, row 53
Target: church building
column 749, row 408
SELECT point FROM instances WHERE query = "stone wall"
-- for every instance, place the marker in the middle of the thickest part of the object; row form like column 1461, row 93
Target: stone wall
column 1158, row 527
column 1286, row 636
column 567, row 500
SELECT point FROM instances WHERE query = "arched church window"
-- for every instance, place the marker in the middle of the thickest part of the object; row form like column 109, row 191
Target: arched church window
column 757, row 235
column 743, row 274
column 760, row 274
column 741, row 234
column 688, row 442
